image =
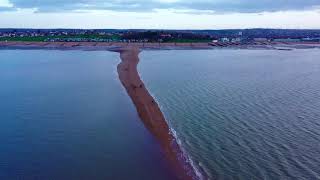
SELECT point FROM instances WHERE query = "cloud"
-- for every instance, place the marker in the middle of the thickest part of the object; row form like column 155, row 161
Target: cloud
column 4, row 9
column 5, row 5
column 220, row 6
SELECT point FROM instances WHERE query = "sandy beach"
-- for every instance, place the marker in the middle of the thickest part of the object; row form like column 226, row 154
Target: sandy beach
column 153, row 46
column 101, row 45
column 150, row 112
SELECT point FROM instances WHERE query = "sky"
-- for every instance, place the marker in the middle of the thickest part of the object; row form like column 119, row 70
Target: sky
column 160, row 14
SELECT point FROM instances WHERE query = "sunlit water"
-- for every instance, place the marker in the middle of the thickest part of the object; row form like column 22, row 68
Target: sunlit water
column 65, row 116
column 241, row 114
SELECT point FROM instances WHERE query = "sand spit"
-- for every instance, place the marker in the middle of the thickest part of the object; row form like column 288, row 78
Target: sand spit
column 150, row 112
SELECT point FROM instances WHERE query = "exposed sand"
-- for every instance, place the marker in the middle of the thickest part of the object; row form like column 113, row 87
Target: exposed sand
column 156, row 46
column 102, row 45
column 150, row 112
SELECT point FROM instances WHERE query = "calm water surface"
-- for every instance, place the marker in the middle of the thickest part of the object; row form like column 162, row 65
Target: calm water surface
column 242, row 114
column 64, row 115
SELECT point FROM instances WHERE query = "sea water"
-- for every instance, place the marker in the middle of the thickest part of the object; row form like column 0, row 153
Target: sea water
column 65, row 115
column 241, row 114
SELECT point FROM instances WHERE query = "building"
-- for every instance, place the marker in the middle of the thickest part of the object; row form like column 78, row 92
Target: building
column 237, row 39
column 224, row 39
column 310, row 39
column 260, row 39
column 287, row 40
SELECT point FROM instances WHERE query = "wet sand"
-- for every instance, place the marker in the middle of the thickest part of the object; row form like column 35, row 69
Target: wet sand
column 150, row 112
column 102, row 45
column 154, row 46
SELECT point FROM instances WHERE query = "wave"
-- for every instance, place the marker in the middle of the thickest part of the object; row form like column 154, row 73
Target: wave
column 186, row 157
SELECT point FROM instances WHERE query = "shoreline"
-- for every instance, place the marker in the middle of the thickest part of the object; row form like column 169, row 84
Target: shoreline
column 100, row 45
column 150, row 113
column 96, row 46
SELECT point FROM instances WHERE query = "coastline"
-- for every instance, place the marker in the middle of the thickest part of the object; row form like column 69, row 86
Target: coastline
column 150, row 112
column 96, row 46
column 101, row 45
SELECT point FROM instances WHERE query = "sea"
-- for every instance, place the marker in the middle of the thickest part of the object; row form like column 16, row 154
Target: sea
column 237, row 114
column 241, row 114
column 64, row 115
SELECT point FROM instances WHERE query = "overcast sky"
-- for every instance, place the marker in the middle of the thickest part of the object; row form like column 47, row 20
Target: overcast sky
column 160, row 14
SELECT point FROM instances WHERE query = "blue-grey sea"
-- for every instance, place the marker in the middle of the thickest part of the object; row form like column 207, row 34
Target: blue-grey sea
column 238, row 114
column 241, row 114
column 64, row 115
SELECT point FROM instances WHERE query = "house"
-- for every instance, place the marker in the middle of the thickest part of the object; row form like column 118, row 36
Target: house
column 224, row 39
column 260, row 39
column 237, row 39
column 287, row 40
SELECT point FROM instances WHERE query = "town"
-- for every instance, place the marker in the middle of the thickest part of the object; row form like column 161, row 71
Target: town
column 214, row 37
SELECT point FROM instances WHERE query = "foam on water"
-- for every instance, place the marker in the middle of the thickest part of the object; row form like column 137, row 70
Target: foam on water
column 240, row 114
column 65, row 115
column 187, row 158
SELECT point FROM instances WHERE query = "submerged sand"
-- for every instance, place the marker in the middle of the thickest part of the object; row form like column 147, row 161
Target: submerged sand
column 150, row 112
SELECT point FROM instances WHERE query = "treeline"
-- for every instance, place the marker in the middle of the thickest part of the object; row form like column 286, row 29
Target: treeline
column 165, row 36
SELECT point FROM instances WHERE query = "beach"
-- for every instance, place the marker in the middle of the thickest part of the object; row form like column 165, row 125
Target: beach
column 100, row 45
column 150, row 112
column 93, row 46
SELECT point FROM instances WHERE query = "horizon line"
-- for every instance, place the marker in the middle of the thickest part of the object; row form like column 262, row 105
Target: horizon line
column 165, row 29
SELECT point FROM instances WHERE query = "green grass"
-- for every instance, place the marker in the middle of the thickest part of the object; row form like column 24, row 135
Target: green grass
column 43, row 38
column 188, row 41
column 93, row 36
column 27, row 39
